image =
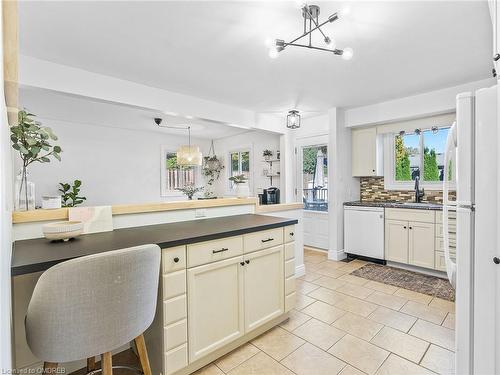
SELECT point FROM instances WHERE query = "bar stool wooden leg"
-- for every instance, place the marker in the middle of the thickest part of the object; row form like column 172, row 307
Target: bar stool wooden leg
column 107, row 364
column 143, row 354
column 91, row 366
column 49, row 367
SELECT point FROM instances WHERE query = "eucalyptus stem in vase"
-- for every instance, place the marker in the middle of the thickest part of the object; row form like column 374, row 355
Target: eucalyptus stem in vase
column 33, row 143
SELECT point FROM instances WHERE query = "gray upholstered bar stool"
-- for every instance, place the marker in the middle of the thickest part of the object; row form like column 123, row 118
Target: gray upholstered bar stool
column 92, row 305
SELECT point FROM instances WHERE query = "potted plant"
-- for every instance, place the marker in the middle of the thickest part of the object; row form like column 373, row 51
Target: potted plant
column 70, row 197
column 240, row 182
column 211, row 170
column 268, row 154
column 190, row 190
column 33, row 143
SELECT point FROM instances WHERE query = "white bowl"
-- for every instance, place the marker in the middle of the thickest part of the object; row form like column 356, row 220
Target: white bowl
column 62, row 230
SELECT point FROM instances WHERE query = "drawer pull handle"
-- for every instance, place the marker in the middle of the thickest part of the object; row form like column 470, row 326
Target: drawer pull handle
column 242, row 263
column 404, row 227
column 291, row 233
column 269, row 239
column 247, row 261
column 176, row 260
column 496, row 260
column 220, row 251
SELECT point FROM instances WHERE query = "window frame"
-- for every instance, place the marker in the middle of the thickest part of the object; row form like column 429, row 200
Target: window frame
column 231, row 189
column 164, row 192
column 390, row 182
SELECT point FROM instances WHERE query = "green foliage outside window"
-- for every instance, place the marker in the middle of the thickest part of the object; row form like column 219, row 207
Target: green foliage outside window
column 431, row 170
column 403, row 170
column 309, row 157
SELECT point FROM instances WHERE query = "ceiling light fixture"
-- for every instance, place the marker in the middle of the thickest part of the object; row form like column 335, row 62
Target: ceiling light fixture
column 293, row 119
column 310, row 13
column 187, row 155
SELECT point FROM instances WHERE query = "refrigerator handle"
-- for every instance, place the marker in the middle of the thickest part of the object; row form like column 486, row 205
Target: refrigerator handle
column 450, row 148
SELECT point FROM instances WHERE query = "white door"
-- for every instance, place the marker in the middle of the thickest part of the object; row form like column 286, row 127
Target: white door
column 264, row 286
column 421, row 244
column 215, row 306
column 312, row 189
column 486, row 237
column 396, row 241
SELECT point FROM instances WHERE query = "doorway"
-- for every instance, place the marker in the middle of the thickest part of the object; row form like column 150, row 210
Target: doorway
column 312, row 190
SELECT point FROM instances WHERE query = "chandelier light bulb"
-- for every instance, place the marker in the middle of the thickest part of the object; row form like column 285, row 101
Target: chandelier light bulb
column 344, row 12
column 347, row 53
column 273, row 52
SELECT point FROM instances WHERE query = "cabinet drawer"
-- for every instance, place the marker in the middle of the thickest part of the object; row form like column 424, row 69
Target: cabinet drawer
column 440, row 263
column 174, row 309
column 174, row 284
column 410, row 215
column 289, row 285
column 439, row 229
column 176, row 359
column 263, row 239
column 439, row 216
column 289, row 302
column 212, row 251
column 289, row 250
column 439, row 244
column 289, row 268
column 289, row 233
column 175, row 334
column 173, row 259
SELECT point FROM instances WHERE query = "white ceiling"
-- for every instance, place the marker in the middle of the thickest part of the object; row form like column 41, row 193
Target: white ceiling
column 50, row 105
column 216, row 50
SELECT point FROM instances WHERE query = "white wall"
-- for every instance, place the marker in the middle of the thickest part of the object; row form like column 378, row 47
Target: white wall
column 5, row 230
column 116, row 166
column 344, row 186
column 410, row 107
column 313, row 126
column 256, row 141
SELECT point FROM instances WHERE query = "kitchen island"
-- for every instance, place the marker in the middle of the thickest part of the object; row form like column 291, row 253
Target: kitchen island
column 240, row 267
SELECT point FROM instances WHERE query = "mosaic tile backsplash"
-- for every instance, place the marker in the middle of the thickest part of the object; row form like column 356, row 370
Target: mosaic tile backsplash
column 372, row 190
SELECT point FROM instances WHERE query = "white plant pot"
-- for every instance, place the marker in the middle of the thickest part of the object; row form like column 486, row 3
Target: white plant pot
column 242, row 191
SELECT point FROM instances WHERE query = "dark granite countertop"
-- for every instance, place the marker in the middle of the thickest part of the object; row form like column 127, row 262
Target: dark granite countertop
column 390, row 204
column 39, row 254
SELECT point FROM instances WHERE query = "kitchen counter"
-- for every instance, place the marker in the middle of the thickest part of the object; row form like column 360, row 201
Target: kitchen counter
column 40, row 254
column 388, row 204
column 279, row 207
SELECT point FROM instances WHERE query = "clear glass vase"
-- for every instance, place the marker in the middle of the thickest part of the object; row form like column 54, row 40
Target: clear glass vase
column 24, row 191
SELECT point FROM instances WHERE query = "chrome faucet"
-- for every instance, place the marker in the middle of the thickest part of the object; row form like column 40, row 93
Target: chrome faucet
column 418, row 193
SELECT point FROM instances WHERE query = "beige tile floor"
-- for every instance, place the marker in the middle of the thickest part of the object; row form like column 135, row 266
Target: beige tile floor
column 347, row 325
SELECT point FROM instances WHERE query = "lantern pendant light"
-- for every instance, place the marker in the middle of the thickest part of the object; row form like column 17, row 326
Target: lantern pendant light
column 189, row 155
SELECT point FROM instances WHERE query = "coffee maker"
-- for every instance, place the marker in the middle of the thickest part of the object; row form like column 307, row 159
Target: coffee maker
column 270, row 196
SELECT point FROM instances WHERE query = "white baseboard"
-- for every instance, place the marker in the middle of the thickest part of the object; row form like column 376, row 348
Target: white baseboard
column 425, row 271
column 336, row 255
column 300, row 270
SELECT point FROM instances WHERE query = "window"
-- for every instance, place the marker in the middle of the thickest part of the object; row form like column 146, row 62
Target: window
column 315, row 178
column 420, row 155
column 174, row 176
column 239, row 162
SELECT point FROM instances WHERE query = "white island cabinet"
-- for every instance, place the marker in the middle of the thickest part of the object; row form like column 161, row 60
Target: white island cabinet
column 217, row 295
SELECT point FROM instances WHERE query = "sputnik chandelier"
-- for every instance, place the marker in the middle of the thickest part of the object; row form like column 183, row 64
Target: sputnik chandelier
column 310, row 13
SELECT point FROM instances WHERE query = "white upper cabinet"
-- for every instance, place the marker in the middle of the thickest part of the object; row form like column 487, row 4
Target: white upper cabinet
column 366, row 153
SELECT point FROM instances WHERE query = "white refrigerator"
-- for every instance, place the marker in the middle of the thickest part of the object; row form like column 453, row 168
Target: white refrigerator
column 471, row 168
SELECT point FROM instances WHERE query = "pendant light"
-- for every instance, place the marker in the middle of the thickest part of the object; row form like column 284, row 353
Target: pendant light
column 293, row 119
column 189, row 155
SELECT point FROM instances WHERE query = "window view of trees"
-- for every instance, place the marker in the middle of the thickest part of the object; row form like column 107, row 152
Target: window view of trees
column 410, row 162
column 239, row 163
column 315, row 178
column 178, row 176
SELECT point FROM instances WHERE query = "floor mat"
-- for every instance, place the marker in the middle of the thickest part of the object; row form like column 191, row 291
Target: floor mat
column 417, row 282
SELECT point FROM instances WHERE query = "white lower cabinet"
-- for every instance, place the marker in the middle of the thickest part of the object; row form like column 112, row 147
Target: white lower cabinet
column 216, row 292
column 264, row 287
column 215, row 306
column 396, row 241
column 421, row 244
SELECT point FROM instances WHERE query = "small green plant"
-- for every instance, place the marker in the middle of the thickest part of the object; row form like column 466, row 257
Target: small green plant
column 190, row 190
column 267, row 153
column 238, row 179
column 69, row 196
column 33, row 143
